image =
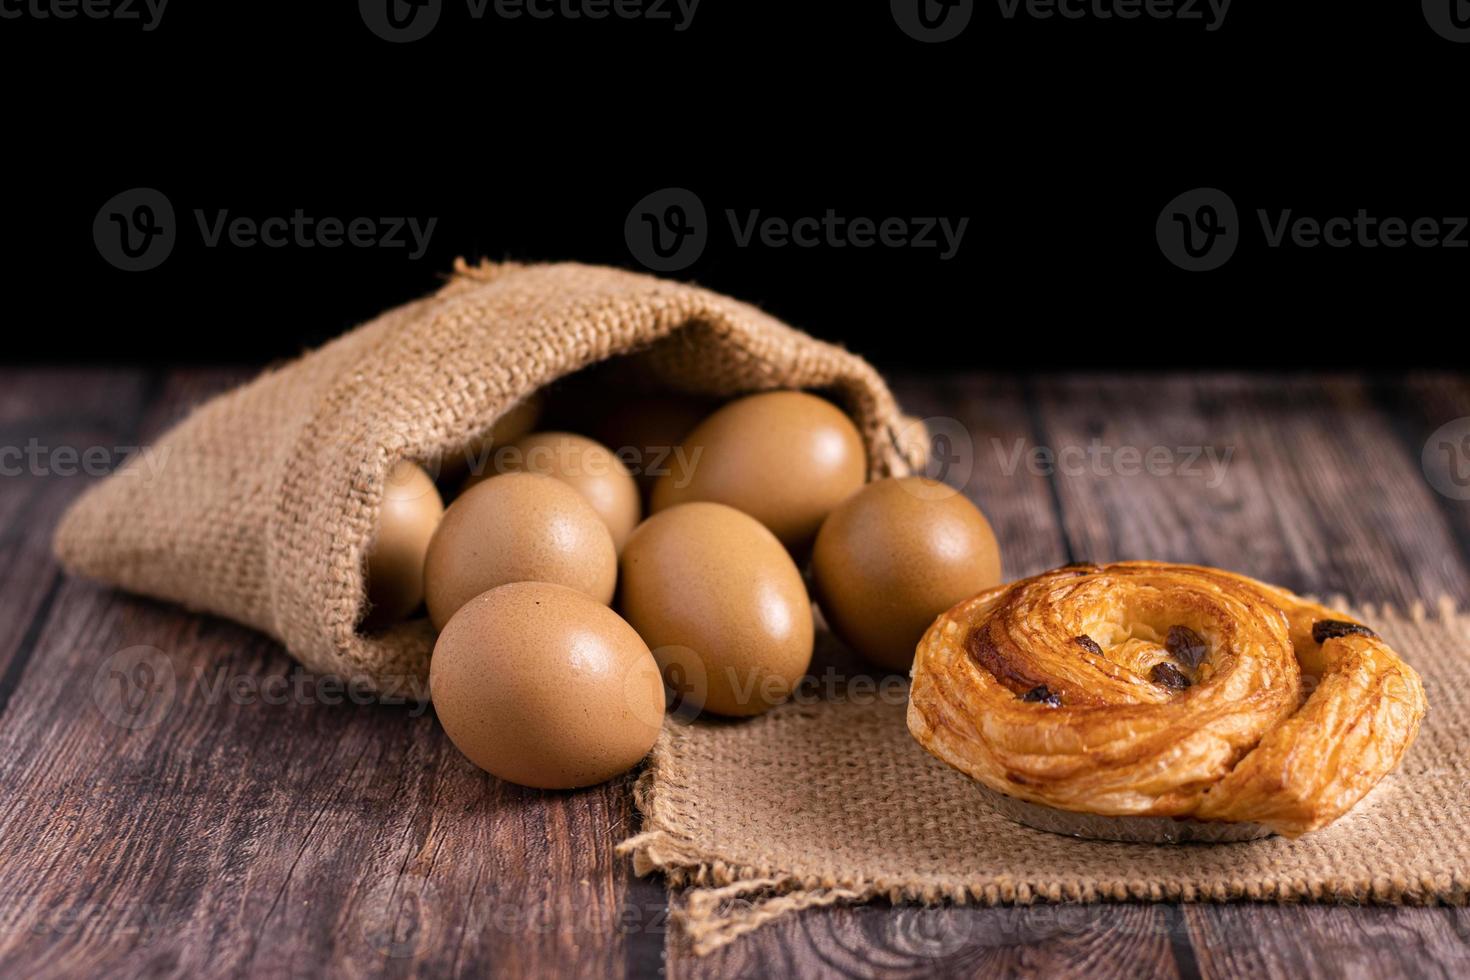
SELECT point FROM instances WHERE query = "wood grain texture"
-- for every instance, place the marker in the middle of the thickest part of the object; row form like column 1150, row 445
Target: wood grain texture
column 51, row 423
column 1320, row 494
column 221, row 814
column 881, row 941
column 225, row 815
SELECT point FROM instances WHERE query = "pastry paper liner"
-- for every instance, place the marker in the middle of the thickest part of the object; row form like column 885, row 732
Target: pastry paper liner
column 1140, row 830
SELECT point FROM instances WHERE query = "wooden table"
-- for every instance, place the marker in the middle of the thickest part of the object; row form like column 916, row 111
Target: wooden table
column 236, row 834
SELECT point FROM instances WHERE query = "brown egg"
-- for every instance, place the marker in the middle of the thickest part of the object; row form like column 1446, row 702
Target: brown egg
column 475, row 458
column 785, row 457
column 722, row 606
column 395, row 566
column 542, row 686
column 586, row 466
column 646, row 432
column 895, row 556
column 520, row 527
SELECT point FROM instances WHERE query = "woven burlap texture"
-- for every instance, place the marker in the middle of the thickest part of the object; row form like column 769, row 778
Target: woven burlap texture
column 830, row 800
column 260, row 506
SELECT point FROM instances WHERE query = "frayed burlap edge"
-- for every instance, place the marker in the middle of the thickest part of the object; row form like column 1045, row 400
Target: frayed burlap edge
column 724, row 899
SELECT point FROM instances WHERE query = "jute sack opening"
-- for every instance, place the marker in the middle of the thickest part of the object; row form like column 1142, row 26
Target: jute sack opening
column 261, row 505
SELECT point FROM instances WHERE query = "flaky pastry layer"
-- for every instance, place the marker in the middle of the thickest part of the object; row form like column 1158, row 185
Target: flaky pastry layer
column 1153, row 689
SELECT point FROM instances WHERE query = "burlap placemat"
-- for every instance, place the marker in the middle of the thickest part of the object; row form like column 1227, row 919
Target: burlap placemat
column 829, row 800
column 261, row 505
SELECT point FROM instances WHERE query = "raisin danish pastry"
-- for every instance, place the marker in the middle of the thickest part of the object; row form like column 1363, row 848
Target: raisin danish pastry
column 1164, row 696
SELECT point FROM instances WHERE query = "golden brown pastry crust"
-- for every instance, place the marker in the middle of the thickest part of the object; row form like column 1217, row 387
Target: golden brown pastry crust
column 1153, row 689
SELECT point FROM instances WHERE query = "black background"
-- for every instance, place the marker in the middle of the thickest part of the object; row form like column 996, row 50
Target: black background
column 1060, row 140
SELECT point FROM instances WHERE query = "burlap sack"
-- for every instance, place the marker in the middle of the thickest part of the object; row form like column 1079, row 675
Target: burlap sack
column 829, row 800
column 261, row 505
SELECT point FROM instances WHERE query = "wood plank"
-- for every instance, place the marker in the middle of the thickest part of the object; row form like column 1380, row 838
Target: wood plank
column 1321, row 495
column 1419, row 407
column 229, row 835
column 1296, row 941
column 877, row 940
column 1318, row 493
column 984, row 417
column 56, row 426
column 212, row 832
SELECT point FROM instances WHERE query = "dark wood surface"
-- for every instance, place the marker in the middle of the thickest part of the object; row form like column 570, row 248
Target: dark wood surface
column 216, row 830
